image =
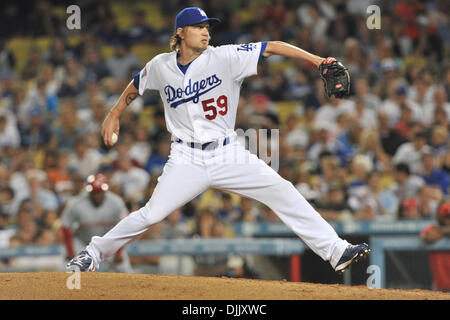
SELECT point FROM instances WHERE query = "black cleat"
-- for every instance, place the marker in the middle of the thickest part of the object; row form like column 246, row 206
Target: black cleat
column 353, row 253
column 82, row 262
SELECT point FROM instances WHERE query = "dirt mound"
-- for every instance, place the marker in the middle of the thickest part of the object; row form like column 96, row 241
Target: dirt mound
column 113, row 286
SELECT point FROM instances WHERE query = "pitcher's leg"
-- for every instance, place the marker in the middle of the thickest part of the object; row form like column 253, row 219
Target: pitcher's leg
column 179, row 183
column 258, row 181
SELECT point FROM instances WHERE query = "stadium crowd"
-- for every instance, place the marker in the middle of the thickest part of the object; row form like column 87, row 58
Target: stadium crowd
column 382, row 153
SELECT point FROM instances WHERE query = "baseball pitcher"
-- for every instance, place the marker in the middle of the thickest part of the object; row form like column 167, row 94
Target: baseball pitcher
column 199, row 86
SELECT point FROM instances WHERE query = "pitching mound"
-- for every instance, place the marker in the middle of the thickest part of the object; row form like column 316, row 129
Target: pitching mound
column 53, row 285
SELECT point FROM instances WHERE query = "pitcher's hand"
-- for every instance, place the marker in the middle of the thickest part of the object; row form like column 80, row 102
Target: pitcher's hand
column 110, row 125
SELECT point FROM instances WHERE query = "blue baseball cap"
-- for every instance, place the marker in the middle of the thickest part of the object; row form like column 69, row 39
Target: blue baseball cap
column 192, row 15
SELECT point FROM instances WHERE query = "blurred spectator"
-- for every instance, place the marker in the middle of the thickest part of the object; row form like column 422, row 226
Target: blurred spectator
column 296, row 134
column 19, row 167
column 409, row 209
column 228, row 211
column 405, row 122
column 438, row 140
column 42, row 196
column 4, row 175
column 264, row 113
column 327, row 171
column 407, row 184
column 320, row 141
column 268, row 215
column 248, row 212
column 411, row 152
column 131, row 180
column 360, row 167
column 172, row 227
column 92, row 117
column 68, row 129
column 423, row 89
column 159, row 124
column 74, row 77
column 7, row 59
column 391, row 139
column 276, row 86
column 297, row 87
column 374, row 201
column 367, row 117
column 86, row 157
column 50, row 219
column 445, row 162
column 140, row 31
column 123, row 64
column 42, row 99
column 439, row 260
column 59, row 175
column 371, row 146
column 310, row 16
column 208, row 226
column 22, row 104
column 429, row 198
column 439, row 101
column 33, row 64
column 108, row 31
column 45, row 236
column 396, row 100
column 333, row 206
column 432, row 174
column 37, row 135
column 308, row 184
column 347, row 143
column 328, row 113
column 58, row 52
column 7, row 201
column 159, row 158
column 235, row 30
column 9, row 134
column 92, row 61
column 140, row 149
column 148, row 264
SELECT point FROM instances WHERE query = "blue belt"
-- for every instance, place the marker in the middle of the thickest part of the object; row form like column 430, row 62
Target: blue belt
column 208, row 145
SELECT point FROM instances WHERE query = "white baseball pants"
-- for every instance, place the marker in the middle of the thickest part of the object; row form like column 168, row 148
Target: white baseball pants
column 190, row 171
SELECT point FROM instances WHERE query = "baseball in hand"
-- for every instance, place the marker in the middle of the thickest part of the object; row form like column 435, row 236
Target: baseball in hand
column 114, row 138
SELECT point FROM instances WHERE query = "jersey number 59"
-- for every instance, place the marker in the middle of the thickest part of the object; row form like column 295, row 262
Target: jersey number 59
column 211, row 109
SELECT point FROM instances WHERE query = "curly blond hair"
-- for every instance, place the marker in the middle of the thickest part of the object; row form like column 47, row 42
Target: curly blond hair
column 175, row 42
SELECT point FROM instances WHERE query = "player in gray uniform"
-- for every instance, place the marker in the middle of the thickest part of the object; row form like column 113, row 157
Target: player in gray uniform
column 92, row 213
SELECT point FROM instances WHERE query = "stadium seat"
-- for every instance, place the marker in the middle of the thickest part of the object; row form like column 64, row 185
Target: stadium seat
column 146, row 52
column 20, row 47
column 122, row 15
column 286, row 108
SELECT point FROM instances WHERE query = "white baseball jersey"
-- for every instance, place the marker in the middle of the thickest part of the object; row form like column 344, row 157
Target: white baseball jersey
column 201, row 105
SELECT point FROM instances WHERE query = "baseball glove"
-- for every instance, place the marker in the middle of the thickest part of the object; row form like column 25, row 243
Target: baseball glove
column 336, row 78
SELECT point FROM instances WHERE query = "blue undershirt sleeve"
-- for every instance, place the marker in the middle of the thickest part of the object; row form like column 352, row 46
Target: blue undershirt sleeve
column 263, row 48
column 136, row 80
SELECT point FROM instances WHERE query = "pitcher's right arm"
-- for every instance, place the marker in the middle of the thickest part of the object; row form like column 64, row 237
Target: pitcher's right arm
column 111, row 123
